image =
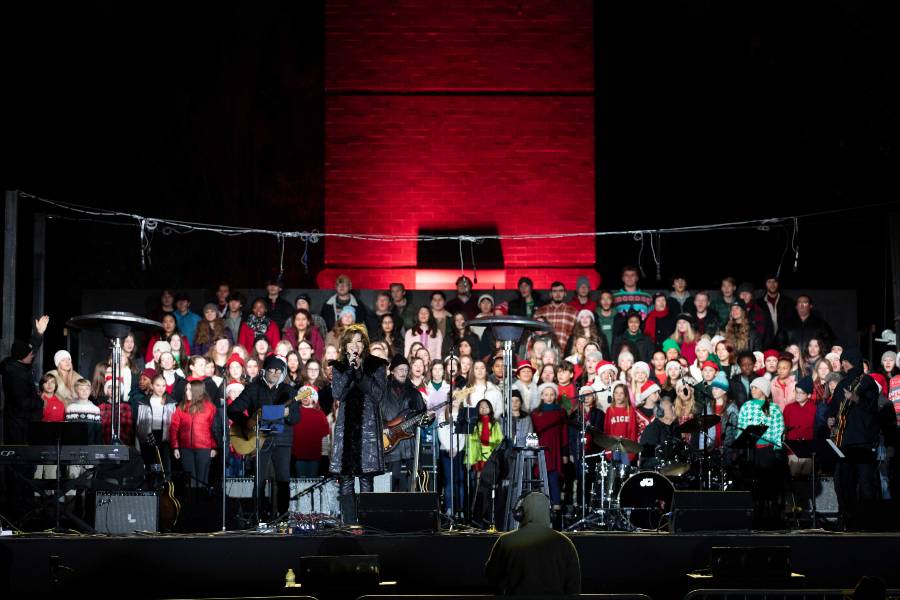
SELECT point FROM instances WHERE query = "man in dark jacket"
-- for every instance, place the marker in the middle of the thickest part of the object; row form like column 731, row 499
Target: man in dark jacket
column 23, row 402
column 278, row 309
column 275, row 453
column 641, row 346
column 854, row 417
column 707, row 319
column 464, row 302
column 343, row 296
column 527, row 301
column 777, row 308
column 401, row 398
column 804, row 326
column 534, row 560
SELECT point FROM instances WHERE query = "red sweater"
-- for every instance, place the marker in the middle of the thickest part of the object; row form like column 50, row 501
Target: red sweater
column 54, row 410
column 621, row 422
column 308, row 434
column 800, row 420
column 247, row 336
column 193, row 431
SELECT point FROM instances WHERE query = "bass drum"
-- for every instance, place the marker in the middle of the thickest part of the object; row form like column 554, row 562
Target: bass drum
column 646, row 498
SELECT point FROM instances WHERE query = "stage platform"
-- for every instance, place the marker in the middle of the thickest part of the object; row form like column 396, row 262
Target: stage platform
column 240, row 564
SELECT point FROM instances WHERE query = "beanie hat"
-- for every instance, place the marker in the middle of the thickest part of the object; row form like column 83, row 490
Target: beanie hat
column 348, row 309
column 805, row 384
column 835, row 356
column 398, row 361
column 584, row 311
column 889, row 354
column 641, row 366
column 162, row 346
column 486, row 297
column 605, row 365
column 673, row 363
column 234, row 358
column 210, row 306
column 715, row 341
column 626, row 354
column 670, row 344
column 60, row 356
column 149, row 373
column 738, row 302
column 583, row 280
column 745, row 287
column 524, row 364
column 648, row 389
column 771, row 354
column 273, row 362
column 545, row 386
column 19, row 350
column 710, row 364
column 704, row 343
column 762, row 384
column 720, row 381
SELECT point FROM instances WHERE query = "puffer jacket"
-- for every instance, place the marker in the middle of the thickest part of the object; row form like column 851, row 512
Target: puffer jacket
column 200, row 430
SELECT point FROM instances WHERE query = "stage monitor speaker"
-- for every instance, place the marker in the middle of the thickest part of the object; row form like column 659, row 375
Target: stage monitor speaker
column 400, row 512
column 354, row 571
column 711, row 511
column 126, row 512
column 751, row 562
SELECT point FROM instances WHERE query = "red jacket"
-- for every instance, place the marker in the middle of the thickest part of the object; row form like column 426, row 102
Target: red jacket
column 308, row 434
column 193, row 431
column 247, row 336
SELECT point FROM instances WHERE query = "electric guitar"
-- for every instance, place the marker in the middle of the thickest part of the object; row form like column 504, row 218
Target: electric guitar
column 169, row 506
column 244, row 441
column 403, row 427
column 850, row 398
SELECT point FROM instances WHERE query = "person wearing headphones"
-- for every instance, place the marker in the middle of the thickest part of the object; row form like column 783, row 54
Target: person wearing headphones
column 534, row 560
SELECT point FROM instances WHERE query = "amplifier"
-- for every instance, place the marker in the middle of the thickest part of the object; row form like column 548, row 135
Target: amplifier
column 126, row 512
column 400, row 512
column 711, row 511
column 242, row 487
column 324, row 499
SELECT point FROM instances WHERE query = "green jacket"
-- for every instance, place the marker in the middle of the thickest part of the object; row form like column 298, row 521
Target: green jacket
column 476, row 451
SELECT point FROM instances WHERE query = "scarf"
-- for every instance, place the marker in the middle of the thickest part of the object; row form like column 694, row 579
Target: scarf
column 650, row 324
column 436, row 385
column 485, row 430
column 257, row 324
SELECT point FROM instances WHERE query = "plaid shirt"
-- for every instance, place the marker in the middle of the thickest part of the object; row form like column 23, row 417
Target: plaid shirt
column 126, row 428
column 561, row 317
column 752, row 414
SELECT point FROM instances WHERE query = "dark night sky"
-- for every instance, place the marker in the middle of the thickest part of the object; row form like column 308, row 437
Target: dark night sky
column 706, row 112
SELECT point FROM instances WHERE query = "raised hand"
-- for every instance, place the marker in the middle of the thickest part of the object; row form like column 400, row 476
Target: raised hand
column 41, row 324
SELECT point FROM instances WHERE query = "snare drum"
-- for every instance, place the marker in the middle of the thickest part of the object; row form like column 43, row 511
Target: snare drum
column 646, row 497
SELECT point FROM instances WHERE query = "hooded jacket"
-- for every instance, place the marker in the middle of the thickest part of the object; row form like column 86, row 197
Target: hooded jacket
column 534, row 560
column 23, row 402
column 357, row 447
column 862, row 427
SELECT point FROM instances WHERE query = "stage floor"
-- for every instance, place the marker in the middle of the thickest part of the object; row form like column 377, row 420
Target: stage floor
column 238, row 563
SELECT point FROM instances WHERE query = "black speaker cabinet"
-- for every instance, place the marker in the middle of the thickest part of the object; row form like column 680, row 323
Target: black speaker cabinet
column 353, row 571
column 400, row 512
column 126, row 512
column 711, row 511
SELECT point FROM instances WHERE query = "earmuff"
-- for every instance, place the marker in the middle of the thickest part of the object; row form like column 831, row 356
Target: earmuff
column 519, row 510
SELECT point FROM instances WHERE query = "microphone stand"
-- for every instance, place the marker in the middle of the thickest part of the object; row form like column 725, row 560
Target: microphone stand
column 452, row 474
column 225, row 447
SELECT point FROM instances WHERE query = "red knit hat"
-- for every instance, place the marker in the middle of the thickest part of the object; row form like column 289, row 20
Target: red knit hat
column 235, row 358
column 709, row 364
column 770, row 354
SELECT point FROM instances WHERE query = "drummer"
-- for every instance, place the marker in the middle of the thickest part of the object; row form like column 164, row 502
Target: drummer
column 660, row 429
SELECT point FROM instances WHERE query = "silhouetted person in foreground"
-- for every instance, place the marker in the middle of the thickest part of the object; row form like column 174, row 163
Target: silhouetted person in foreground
column 534, row 560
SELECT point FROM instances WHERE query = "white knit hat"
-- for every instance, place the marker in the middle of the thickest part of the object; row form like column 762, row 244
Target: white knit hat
column 625, row 353
column 545, row 386
column 641, row 366
column 762, row 384
column 584, row 311
column 673, row 363
column 234, row 389
column 162, row 346
column 60, row 356
column 704, row 343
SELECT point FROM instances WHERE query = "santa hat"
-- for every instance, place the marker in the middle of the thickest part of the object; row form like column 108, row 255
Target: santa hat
column 584, row 311
column 759, row 356
column 605, row 365
column 641, row 366
column 524, row 364
column 710, row 364
column 60, row 356
column 762, row 384
column 648, row 389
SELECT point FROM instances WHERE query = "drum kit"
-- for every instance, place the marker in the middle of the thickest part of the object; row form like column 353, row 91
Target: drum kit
column 625, row 497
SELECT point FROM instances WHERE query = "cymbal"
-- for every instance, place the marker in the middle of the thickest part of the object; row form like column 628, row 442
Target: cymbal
column 617, row 444
column 699, row 423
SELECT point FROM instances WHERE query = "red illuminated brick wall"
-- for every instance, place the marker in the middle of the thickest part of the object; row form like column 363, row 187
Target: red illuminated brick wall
column 479, row 114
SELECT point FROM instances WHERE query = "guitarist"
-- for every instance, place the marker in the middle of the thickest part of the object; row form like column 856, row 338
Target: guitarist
column 854, row 424
column 275, row 453
column 400, row 399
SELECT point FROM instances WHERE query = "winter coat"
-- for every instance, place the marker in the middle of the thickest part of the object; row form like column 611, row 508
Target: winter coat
column 329, row 314
column 357, row 447
column 144, row 419
column 517, row 306
column 862, row 427
column 200, row 430
column 784, row 310
column 641, row 347
column 401, row 399
column 279, row 310
column 796, row 331
column 553, row 434
column 23, row 402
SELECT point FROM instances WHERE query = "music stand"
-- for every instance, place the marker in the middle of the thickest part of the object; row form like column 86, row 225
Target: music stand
column 509, row 329
column 748, row 437
column 806, row 449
